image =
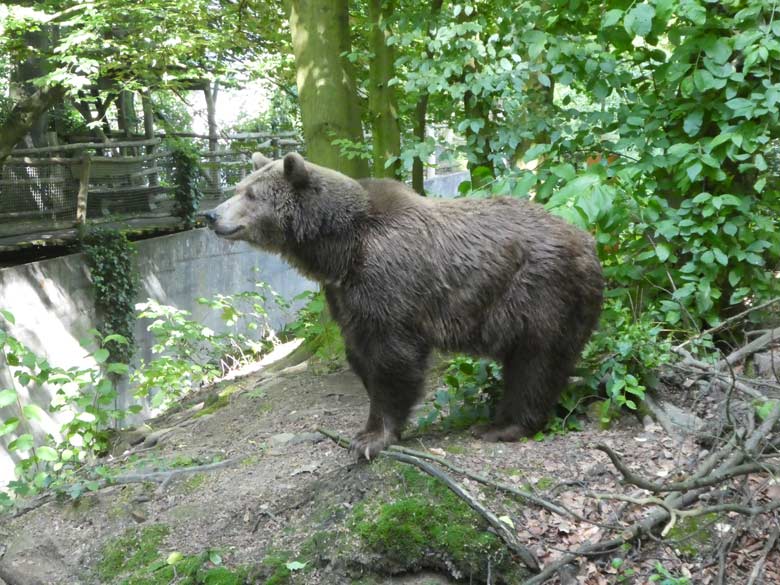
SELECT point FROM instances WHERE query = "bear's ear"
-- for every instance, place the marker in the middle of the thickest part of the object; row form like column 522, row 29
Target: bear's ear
column 295, row 170
column 259, row 161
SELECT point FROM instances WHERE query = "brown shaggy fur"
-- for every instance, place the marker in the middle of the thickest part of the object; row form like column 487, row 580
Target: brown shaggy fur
column 404, row 274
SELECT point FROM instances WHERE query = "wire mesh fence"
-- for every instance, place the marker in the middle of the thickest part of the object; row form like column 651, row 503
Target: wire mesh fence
column 52, row 187
column 38, row 189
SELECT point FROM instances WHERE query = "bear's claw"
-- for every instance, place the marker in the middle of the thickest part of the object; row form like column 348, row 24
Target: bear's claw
column 368, row 444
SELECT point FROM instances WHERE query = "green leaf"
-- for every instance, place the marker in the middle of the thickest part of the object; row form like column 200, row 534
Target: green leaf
column 729, row 228
column 717, row 49
column 33, row 412
column 215, row 557
column 295, row 565
column 611, row 18
column 694, row 171
column 7, row 397
column 9, row 426
column 720, row 256
column 565, row 171
column 581, row 184
column 117, row 368
column 731, row 200
column 21, row 443
column 47, row 453
column 9, row 316
column 663, row 251
column 639, row 20
column 739, row 294
column 101, row 355
column 692, row 123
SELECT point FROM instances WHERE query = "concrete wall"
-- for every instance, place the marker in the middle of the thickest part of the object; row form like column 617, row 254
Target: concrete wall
column 53, row 303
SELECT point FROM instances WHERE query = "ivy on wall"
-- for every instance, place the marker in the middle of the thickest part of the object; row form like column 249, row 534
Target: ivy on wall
column 115, row 282
column 187, row 173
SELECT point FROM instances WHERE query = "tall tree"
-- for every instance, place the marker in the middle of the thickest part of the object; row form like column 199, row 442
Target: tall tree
column 107, row 46
column 382, row 100
column 330, row 109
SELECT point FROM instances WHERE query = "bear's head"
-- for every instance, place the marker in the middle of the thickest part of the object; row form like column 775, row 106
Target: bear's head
column 293, row 208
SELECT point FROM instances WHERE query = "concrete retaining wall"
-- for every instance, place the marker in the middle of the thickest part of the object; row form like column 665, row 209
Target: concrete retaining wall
column 53, row 303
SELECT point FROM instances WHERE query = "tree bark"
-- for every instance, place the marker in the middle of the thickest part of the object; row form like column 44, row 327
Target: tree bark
column 24, row 116
column 210, row 90
column 328, row 97
column 382, row 100
column 418, row 167
column 126, row 119
column 420, row 114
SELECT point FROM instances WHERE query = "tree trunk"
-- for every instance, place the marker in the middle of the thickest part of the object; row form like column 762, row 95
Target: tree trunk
column 326, row 87
column 21, row 86
column 24, row 116
column 420, row 114
column 382, row 102
column 210, row 91
column 418, row 167
column 126, row 119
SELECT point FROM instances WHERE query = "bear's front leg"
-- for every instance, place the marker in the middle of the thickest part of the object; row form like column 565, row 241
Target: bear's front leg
column 393, row 383
column 375, row 437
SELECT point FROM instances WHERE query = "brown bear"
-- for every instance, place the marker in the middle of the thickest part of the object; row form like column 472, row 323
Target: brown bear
column 405, row 274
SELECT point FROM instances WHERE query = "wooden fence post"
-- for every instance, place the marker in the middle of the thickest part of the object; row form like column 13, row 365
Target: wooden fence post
column 81, row 202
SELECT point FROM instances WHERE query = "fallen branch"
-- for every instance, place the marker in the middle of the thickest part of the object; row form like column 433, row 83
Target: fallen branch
column 677, row 501
column 164, row 477
column 501, row 529
column 553, row 507
column 758, row 568
column 681, row 486
column 727, row 322
column 509, row 538
column 749, row 349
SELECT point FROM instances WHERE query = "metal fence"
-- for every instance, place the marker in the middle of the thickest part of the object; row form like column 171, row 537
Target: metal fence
column 61, row 187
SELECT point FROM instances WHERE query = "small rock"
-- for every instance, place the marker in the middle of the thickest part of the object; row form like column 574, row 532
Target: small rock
column 281, row 439
column 308, row 468
column 289, row 439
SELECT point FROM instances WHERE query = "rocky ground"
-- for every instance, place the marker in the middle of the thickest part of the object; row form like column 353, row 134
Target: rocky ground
column 238, row 487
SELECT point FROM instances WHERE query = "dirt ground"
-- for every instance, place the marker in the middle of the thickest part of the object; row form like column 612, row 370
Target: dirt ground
column 278, row 484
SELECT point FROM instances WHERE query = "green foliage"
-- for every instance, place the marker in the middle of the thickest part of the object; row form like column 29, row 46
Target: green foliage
column 281, row 115
column 468, row 396
column 84, row 396
column 321, row 335
column 135, row 558
column 663, row 577
column 115, row 282
column 423, row 519
column 187, row 173
column 622, row 356
column 652, row 125
column 190, row 354
column 134, row 550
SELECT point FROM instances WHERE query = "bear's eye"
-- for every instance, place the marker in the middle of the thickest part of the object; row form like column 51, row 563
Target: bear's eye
column 251, row 195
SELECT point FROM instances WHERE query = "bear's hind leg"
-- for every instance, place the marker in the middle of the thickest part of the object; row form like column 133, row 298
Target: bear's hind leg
column 533, row 381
